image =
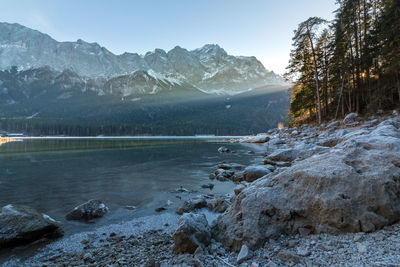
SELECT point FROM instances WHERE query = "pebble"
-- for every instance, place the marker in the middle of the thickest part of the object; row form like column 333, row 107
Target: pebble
column 243, row 255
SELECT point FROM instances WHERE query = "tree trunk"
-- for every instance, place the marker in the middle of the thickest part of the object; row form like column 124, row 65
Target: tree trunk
column 340, row 96
column 315, row 74
column 398, row 85
column 326, row 85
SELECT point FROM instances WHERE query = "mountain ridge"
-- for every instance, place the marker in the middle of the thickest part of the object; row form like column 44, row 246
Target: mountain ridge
column 44, row 89
column 209, row 68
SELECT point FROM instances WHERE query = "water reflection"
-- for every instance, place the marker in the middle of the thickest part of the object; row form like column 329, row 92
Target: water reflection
column 55, row 175
column 4, row 140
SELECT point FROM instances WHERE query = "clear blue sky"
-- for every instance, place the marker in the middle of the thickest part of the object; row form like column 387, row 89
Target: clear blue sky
column 261, row 28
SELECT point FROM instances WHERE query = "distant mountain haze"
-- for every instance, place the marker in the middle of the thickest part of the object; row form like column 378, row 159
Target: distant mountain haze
column 209, row 68
column 79, row 88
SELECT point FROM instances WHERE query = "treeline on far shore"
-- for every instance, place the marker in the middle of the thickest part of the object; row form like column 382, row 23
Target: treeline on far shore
column 54, row 127
column 351, row 64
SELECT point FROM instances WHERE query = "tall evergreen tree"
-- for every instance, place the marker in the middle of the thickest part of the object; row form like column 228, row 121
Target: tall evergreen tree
column 357, row 58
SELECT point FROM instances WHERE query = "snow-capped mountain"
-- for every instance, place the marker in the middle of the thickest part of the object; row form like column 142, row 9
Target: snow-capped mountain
column 209, row 69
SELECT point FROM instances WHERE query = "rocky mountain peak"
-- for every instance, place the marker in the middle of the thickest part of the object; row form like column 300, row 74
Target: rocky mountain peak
column 208, row 68
column 211, row 49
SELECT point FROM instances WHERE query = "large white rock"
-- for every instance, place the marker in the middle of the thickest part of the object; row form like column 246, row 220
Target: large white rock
column 352, row 187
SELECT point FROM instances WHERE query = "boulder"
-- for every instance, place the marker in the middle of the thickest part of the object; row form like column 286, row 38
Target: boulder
column 333, row 124
column 192, row 232
column 22, row 224
column 223, row 175
column 328, row 142
column 284, row 155
column 351, row 118
column 87, row 211
column 351, row 187
column 218, row 205
column 209, row 186
column 190, row 205
column 276, row 141
column 276, row 163
column 253, row 172
column 238, row 189
column 229, row 166
column 258, row 139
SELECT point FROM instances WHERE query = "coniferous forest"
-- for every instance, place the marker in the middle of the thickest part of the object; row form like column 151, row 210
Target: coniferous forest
column 350, row 64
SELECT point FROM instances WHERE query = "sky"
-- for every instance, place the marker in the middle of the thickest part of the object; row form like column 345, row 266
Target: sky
column 260, row 28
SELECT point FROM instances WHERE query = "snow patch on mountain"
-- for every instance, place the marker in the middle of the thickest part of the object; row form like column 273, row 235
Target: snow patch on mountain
column 209, row 68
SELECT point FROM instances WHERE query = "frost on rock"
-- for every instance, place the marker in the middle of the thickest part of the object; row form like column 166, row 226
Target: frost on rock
column 22, row 224
column 351, row 187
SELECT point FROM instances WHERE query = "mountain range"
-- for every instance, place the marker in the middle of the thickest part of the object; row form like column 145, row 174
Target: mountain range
column 42, row 79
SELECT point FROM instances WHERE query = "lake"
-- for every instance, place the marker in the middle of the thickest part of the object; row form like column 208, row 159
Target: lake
column 55, row 175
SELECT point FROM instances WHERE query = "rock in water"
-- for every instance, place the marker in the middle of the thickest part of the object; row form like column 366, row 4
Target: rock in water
column 21, row 224
column 223, row 149
column 192, row 232
column 252, row 173
column 261, row 138
column 88, row 211
column 351, row 187
column 209, row 186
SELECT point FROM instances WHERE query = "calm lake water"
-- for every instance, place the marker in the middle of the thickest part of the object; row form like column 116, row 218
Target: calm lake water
column 55, row 175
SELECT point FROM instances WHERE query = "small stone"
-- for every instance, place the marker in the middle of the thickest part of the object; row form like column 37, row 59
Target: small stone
column 238, row 189
column 254, row 264
column 361, row 248
column 160, row 209
column 288, row 256
column 292, row 243
column 271, row 264
column 304, row 231
column 88, row 257
column 199, row 251
column 379, row 237
column 243, row 255
column 209, row 186
column 303, row 252
column 357, row 238
column 218, row 205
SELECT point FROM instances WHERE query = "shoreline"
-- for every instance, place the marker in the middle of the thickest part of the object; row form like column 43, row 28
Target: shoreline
column 144, row 137
column 148, row 241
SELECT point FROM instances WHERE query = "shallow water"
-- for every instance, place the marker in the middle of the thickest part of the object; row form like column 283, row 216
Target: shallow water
column 55, row 175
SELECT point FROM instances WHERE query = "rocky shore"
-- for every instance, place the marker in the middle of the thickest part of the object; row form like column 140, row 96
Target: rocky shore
column 325, row 195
